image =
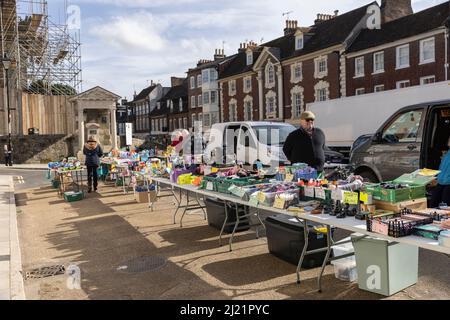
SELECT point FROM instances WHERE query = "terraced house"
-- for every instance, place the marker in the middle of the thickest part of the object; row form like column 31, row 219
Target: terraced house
column 204, row 90
column 407, row 51
column 275, row 80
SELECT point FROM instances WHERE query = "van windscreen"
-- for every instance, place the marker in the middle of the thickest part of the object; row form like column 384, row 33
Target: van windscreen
column 273, row 135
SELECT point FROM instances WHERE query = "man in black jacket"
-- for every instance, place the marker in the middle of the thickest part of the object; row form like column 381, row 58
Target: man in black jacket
column 93, row 152
column 307, row 144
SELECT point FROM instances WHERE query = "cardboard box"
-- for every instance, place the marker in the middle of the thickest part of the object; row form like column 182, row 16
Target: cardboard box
column 143, row 197
column 416, row 204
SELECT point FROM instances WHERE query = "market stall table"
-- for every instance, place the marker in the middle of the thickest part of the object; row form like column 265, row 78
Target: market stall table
column 70, row 177
column 349, row 224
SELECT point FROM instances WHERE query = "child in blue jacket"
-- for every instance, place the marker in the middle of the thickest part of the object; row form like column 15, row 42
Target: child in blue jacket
column 442, row 192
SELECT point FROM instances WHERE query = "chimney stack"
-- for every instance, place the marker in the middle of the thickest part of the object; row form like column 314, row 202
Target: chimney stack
column 291, row 27
column 219, row 54
column 395, row 9
column 242, row 47
column 175, row 82
column 321, row 17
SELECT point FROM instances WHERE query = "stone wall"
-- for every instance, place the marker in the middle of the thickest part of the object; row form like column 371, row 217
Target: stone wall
column 39, row 148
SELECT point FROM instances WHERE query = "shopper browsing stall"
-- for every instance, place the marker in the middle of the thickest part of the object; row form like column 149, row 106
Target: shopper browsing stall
column 93, row 152
column 441, row 193
column 307, row 144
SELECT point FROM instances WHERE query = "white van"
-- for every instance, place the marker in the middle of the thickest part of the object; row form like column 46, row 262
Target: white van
column 248, row 143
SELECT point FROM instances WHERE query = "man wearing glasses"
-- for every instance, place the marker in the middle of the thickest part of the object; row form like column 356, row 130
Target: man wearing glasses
column 307, row 144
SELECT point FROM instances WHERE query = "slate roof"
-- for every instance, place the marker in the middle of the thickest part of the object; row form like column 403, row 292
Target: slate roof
column 174, row 94
column 144, row 93
column 412, row 25
column 319, row 36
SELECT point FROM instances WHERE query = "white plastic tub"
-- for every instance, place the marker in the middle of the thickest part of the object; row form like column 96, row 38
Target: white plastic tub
column 345, row 269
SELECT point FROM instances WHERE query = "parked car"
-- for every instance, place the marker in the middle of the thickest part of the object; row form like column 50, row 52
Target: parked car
column 412, row 138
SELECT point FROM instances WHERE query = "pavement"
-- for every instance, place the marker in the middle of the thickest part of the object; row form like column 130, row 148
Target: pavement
column 37, row 166
column 11, row 281
column 99, row 235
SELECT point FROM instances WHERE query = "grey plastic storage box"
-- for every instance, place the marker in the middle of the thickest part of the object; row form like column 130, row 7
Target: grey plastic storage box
column 215, row 210
column 385, row 267
column 286, row 240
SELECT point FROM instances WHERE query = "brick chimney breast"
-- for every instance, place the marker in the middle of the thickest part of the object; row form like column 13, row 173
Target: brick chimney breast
column 395, row 9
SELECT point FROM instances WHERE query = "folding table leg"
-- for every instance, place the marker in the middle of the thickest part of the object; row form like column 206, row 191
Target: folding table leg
column 224, row 222
column 260, row 221
column 235, row 227
column 327, row 257
column 185, row 209
column 305, row 249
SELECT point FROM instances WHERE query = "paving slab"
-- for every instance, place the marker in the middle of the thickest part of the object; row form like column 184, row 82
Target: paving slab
column 104, row 231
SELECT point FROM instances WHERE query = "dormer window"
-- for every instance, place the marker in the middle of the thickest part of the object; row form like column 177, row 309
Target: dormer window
column 249, row 58
column 169, row 104
column 181, row 105
column 299, row 42
column 158, row 105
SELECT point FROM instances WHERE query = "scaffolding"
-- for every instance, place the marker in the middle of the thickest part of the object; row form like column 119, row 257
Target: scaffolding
column 46, row 55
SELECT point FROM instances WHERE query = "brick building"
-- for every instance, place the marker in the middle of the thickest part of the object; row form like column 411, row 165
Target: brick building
column 408, row 51
column 203, row 90
column 142, row 106
column 171, row 111
column 300, row 67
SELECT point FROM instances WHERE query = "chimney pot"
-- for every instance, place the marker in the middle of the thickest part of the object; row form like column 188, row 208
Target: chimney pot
column 395, row 9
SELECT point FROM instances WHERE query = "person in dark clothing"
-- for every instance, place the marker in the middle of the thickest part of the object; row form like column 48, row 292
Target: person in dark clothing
column 8, row 155
column 93, row 152
column 307, row 144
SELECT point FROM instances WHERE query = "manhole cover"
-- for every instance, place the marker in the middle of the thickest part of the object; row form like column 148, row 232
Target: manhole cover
column 143, row 264
column 45, row 272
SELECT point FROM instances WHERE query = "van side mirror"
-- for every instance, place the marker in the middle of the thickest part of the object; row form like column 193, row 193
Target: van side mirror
column 377, row 138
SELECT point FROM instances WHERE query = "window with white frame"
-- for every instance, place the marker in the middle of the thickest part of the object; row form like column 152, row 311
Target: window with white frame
column 169, row 105
column 270, row 75
column 214, row 118
column 359, row 67
column 296, row 72
column 199, row 80
column 232, row 110
column 403, row 56
column 247, row 84
column 232, row 87
column 297, row 102
column 206, row 121
column 193, row 119
column 200, row 100
column 360, row 91
column 248, row 108
column 403, row 84
column 205, row 74
column 193, row 102
column 427, row 51
column 180, row 123
column 379, row 88
column 158, row 105
column 320, row 67
column 249, row 58
column 205, row 98
column 213, row 97
column 427, row 80
column 180, row 103
column 164, row 124
column 322, row 91
column 185, row 124
column 299, row 42
column 297, row 99
column 192, row 82
column 378, row 62
column 271, row 106
column 213, row 75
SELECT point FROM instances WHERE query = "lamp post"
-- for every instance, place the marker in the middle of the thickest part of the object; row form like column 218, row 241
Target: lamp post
column 7, row 65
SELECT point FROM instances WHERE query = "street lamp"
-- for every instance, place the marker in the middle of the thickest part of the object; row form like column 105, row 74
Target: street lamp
column 7, row 65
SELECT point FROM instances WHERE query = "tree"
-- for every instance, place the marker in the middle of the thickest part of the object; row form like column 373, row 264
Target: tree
column 58, row 89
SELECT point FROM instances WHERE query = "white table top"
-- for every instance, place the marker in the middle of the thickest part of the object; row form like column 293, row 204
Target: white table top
column 349, row 223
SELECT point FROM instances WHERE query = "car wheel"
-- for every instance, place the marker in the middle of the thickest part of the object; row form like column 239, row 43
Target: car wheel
column 369, row 177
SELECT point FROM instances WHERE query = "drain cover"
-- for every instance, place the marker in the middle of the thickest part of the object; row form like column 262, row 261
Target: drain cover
column 45, row 272
column 143, row 264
